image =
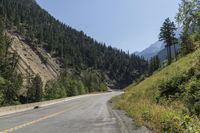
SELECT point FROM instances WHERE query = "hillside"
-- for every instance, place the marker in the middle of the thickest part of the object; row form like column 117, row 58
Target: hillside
column 73, row 49
column 30, row 61
column 161, row 102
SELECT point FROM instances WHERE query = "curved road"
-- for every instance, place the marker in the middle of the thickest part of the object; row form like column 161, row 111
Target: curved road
column 88, row 114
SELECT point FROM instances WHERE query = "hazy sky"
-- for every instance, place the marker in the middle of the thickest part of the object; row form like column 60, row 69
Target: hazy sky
column 125, row 24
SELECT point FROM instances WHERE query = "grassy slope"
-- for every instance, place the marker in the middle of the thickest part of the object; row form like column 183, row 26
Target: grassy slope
column 139, row 100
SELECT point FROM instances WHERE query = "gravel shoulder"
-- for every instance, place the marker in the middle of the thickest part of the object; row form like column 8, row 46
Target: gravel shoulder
column 127, row 124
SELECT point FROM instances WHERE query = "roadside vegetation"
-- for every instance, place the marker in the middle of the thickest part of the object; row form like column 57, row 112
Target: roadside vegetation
column 66, row 86
column 169, row 100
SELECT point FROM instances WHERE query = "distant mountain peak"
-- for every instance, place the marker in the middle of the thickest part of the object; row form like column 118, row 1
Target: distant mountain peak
column 156, row 47
column 152, row 50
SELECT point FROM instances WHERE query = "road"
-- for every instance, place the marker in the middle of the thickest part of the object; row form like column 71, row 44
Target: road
column 82, row 115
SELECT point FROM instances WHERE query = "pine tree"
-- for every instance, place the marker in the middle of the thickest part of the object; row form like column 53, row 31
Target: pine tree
column 154, row 64
column 35, row 92
column 167, row 34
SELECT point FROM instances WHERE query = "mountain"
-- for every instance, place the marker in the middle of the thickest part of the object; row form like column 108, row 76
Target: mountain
column 157, row 48
column 74, row 50
column 152, row 50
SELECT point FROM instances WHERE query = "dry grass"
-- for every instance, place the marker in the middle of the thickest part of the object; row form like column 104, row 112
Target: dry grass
column 140, row 101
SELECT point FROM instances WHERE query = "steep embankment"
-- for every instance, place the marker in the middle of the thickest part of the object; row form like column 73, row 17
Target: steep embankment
column 169, row 99
column 33, row 61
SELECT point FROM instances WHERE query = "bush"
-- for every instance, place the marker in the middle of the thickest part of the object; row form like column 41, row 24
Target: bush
column 93, row 81
column 10, row 90
column 172, row 88
column 74, row 87
column 35, row 90
column 185, row 87
column 71, row 85
column 182, row 124
column 54, row 90
column 192, row 96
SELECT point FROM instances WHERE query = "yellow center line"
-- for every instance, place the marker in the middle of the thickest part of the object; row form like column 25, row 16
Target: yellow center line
column 36, row 121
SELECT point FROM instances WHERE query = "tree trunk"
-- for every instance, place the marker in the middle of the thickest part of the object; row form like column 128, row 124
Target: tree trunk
column 170, row 55
column 175, row 53
column 168, row 58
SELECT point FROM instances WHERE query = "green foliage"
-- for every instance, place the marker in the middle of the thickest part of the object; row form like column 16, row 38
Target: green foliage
column 186, row 44
column 11, row 89
column 93, row 81
column 186, row 15
column 189, row 42
column 192, row 96
column 35, row 91
column 54, row 91
column 2, row 81
column 154, row 64
column 172, row 87
column 167, row 34
column 182, row 124
column 10, row 80
column 70, row 85
column 67, row 85
column 2, row 41
column 189, row 19
column 195, row 39
column 185, row 87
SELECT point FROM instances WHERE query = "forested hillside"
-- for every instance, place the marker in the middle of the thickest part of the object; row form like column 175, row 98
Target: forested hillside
column 74, row 49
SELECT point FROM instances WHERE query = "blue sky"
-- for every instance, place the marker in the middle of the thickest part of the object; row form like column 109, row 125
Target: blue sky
column 131, row 25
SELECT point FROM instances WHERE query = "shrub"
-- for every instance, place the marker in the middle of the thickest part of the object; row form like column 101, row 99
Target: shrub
column 72, row 85
column 192, row 96
column 35, row 90
column 54, row 91
column 171, row 88
column 180, row 124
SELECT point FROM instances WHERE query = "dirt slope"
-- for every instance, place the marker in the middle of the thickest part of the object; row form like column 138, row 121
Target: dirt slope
column 31, row 61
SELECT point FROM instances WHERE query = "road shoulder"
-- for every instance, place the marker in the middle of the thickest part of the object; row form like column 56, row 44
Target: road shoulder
column 126, row 123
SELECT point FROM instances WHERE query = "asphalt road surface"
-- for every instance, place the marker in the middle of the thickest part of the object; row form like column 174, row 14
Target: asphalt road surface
column 82, row 115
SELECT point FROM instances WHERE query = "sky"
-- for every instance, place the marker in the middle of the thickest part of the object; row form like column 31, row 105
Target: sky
column 130, row 25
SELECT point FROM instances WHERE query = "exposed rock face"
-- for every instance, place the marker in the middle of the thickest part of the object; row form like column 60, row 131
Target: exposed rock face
column 34, row 61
